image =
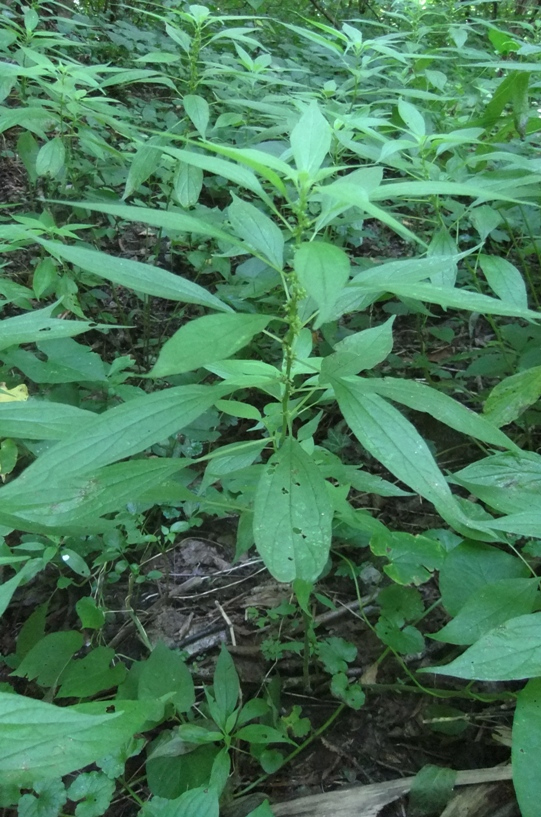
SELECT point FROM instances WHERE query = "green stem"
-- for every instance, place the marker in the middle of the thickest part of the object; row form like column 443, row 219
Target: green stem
column 338, row 711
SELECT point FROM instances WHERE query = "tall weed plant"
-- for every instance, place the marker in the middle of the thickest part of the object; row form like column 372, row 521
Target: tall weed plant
column 260, row 156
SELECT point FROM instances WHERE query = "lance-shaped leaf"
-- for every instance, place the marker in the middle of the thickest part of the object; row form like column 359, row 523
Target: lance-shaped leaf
column 71, row 501
column 508, row 482
column 421, row 397
column 121, row 432
column 206, row 340
column 135, row 275
column 143, row 164
column 323, row 270
column 386, row 434
column 510, row 398
column 170, row 220
column 41, row 420
column 292, row 516
column 32, row 327
column 362, row 350
column 187, row 183
column 310, row 141
column 197, row 108
column 258, row 230
column 458, row 298
column 505, row 280
column 350, row 195
column 220, row 167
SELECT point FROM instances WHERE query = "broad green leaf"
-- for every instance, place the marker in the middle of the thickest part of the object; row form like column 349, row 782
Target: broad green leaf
column 237, row 409
column 221, row 771
column 470, row 567
column 197, row 108
column 121, row 432
column 510, row 652
column 292, row 516
column 200, row 802
column 45, row 276
column 485, row 219
column 91, row 674
column 258, row 231
column 34, row 119
column 206, row 340
column 386, row 434
column 32, row 630
column 31, row 327
column 180, row 37
column 165, row 673
column 158, row 56
column 51, row 158
column 39, row 741
column 511, row 85
column 431, row 790
column 512, row 396
column 491, row 606
column 508, row 482
column 170, row 775
column 421, row 397
column 505, row 280
column 135, row 275
column 323, row 270
column 226, row 684
column 188, row 183
column 526, row 748
column 412, row 118
column 92, row 617
column 47, row 800
column 48, row 659
column 359, row 351
column 502, row 41
column 310, row 141
column 412, row 558
column 28, row 149
column 31, row 19
column 335, row 654
column 143, row 164
column 94, row 792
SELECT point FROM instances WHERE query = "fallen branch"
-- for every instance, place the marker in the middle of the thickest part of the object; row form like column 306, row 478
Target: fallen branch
column 366, row 801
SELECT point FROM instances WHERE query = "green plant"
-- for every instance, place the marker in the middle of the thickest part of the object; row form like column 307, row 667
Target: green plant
column 288, row 326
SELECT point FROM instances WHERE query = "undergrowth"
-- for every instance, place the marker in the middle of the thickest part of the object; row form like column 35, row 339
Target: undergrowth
column 247, row 263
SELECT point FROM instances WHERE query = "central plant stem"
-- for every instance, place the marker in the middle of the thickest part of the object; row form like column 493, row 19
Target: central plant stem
column 294, row 294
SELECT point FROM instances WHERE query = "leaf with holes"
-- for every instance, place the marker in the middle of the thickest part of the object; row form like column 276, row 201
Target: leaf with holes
column 292, row 516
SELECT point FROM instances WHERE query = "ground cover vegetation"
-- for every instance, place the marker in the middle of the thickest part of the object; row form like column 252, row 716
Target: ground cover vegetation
column 278, row 277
